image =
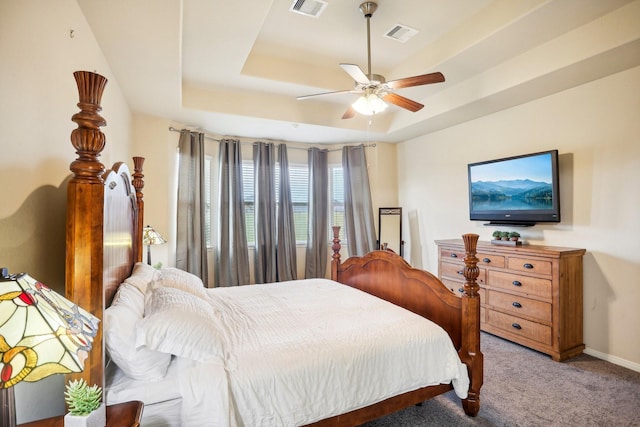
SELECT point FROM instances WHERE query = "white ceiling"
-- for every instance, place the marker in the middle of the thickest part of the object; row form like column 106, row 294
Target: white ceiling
column 235, row 67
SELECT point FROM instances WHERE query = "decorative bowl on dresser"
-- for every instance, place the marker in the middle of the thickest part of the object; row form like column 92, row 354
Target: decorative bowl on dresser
column 529, row 294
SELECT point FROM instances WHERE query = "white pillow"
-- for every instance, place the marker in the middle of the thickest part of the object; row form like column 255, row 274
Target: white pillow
column 141, row 276
column 180, row 279
column 180, row 323
column 125, row 311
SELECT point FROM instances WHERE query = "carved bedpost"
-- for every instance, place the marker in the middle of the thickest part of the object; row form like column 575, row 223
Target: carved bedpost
column 335, row 258
column 138, row 184
column 85, row 206
column 470, row 352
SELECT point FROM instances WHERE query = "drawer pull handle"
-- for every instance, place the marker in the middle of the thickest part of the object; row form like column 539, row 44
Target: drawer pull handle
column 516, row 283
column 460, row 272
column 516, row 304
column 454, row 255
column 487, row 260
column 515, row 325
column 460, row 290
column 527, row 265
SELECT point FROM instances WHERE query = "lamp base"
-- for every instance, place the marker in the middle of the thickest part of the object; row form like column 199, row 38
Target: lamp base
column 8, row 406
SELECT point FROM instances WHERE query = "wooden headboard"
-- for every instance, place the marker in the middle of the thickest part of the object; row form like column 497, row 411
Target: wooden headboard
column 104, row 219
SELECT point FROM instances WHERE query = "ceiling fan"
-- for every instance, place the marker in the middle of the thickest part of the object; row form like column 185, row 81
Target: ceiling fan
column 374, row 89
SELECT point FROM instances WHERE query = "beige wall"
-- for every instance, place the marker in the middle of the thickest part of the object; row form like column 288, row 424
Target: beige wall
column 596, row 129
column 38, row 96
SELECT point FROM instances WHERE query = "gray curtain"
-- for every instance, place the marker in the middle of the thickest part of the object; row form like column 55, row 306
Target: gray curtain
column 264, row 167
column 286, row 258
column 232, row 257
column 191, row 247
column 359, row 222
column 317, row 238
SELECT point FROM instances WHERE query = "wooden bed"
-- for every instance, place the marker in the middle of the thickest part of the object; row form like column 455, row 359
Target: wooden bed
column 104, row 234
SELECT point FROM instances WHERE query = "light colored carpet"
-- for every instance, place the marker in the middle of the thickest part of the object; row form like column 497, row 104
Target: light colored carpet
column 525, row 388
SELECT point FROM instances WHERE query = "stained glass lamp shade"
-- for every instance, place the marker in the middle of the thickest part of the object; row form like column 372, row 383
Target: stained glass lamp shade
column 41, row 334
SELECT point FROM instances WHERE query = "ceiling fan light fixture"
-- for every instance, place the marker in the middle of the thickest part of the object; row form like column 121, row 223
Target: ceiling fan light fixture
column 376, row 92
column 369, row 104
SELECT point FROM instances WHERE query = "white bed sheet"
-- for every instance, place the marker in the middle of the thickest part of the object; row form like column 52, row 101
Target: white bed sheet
column 288, row 362
column 120, row 388
column 162, row 414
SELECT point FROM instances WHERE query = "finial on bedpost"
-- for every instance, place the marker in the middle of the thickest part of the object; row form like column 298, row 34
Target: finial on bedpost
column 471, row 270
column 87, row 139
column 335, row 258
column 138, row 184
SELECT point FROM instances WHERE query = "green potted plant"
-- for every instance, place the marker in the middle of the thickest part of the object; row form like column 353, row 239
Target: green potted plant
column 504, row 235
column 85, row 406
column 496, row 235
column 514, row 236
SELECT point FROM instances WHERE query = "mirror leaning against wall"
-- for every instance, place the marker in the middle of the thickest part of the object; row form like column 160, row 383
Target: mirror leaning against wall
column 390, row 229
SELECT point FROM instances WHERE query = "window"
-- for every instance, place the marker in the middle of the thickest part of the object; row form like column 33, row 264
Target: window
column 249, row 208
column 336, row 202
column 207, row 201
column 299, row 181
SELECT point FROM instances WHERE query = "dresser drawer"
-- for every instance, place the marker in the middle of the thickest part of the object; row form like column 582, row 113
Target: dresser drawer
column 487, row 259
column 530, row 265
column 451, row 270
column 454, row 286
column 457, row 287
column 452, row 255
column 490, row 260
column 520, row 306
column 515, row 325
column 455, row 271
column 525, row 285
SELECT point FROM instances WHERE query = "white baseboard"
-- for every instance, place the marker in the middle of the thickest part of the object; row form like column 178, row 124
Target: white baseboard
column 613, row 359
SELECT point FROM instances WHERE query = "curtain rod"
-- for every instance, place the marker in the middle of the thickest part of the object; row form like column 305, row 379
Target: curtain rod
column 172, row 129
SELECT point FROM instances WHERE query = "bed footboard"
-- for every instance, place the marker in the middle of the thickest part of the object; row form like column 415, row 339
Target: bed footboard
column 388, row 276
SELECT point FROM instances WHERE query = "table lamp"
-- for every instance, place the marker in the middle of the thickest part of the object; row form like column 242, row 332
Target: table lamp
column 151, row 237
column 41, row 334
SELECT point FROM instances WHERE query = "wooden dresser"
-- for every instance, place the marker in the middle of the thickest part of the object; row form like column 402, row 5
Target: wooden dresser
column 529, row 294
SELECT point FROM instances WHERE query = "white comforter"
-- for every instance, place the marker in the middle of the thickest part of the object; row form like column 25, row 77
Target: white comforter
column 296, row 352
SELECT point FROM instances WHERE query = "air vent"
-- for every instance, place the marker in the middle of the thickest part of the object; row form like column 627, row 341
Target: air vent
column 308, row 7
column 401, row 33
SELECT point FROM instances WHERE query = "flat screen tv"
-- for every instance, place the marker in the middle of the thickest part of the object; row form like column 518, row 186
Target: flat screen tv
column 520, row 190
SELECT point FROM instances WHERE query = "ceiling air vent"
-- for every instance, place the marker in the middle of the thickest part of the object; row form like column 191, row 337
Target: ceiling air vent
column 401, row 33
column 308, row 7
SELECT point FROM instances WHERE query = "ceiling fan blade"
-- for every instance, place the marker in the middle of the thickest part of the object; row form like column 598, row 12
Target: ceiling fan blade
column 423, row 79
column 356, row 73
column 349, row 113
column 327, row 93
column 403, row 102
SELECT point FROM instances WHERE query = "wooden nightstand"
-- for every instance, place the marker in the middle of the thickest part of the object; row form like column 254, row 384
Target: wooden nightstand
column 125, row 414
